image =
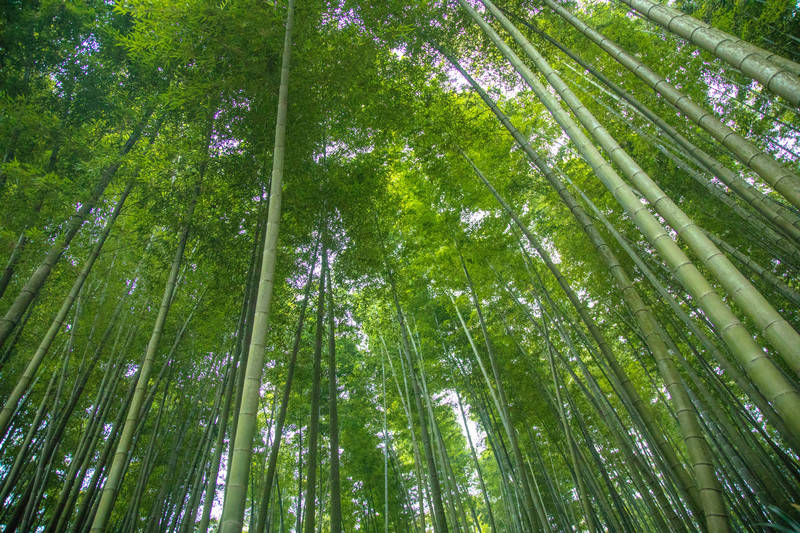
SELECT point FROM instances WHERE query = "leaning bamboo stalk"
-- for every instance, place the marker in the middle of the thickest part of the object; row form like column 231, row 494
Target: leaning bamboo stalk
column 771, row 171
column 729, row 368
column 501, row 403
column 774, row 327
column 776, row 213
column 33, row 365
column 687, row 418
column 414, row 444
column 42, row 272
column 626, row 388
column 784, row 290
column 114, row 479
column 774, row 71
column 760, row 367
column 439, row 522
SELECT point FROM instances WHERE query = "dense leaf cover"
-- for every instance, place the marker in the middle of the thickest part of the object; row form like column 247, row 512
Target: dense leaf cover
column 527, row 276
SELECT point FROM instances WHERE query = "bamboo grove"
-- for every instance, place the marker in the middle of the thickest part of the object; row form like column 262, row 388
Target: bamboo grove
column 424, row 265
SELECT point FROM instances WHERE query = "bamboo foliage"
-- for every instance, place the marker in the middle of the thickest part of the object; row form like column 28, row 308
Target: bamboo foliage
column 544, row 302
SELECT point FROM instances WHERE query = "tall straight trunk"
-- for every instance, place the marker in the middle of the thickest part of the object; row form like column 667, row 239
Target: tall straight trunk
column 245, row 330
column 179, row 475
column 760, row 368
column 598, row 398
column 57, row 427
column 42, row 272
column 405, row 401
column 477, row 463
column 299, row 516
column 776, row 73
column 236, row 484
column 504, row 463
column 492, row 445
column 774, row 327
column 216, row 459
column 335, row 511
column 423, row 482
column 82, row 521
column 58, row 320
column 396, row 467
column 621, row 439
column 313, row 426
column 441, row 457
column 440, row 523
column 502, row 403
column 385, row 452
column 272, row 462
column 771, row 171
column 281, row 515
column 13, row 522
column 762, row 481
column 121, row 455
column 625, row 520
column 610, row 413
column 772, row 238
column 256, row 505
column 456, row 493
column 155, row 517
column 321, row 489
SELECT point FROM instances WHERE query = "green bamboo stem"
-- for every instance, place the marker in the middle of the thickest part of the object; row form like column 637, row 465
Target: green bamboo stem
column 775, row 72
column 236, row 485
column 313, row 426
column 779, row 286
column 272, row 462
column 33, row 365
column 759, row 367
column 121, row 455
column 783, row 218
column 74, row 224
column 771, row 171
column 774, row 327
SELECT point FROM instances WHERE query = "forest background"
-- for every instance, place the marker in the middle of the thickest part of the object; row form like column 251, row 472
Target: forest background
column 399, row 266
